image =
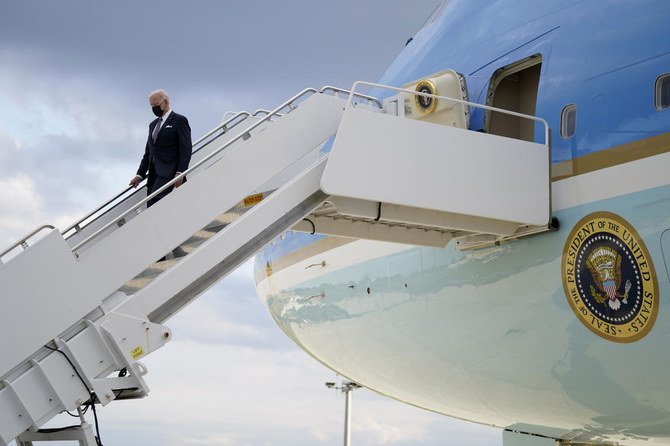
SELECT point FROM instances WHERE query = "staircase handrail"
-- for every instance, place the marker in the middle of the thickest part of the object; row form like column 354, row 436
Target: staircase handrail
column 242, row 135
column 23, row 241
column 352, row 94
column 224, row 125
column 459, row 101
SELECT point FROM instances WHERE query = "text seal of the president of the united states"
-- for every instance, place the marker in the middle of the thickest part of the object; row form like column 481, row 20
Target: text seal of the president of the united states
column 609, row 278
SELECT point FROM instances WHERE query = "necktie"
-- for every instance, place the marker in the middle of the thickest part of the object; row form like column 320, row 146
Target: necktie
column 156, row 129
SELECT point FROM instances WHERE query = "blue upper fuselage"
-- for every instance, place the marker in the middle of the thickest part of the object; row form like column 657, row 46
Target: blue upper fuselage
column 604, row 57
column 499, row 328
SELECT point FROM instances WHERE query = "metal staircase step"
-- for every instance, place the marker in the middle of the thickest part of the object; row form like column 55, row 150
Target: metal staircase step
column 148, row 275
column 155, row 269
column 93, row 326
column 225, row 218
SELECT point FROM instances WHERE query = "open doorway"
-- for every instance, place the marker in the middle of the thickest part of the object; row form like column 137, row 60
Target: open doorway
column 514, row 87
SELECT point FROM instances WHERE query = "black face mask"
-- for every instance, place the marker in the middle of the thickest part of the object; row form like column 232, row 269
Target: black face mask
column 157, row 110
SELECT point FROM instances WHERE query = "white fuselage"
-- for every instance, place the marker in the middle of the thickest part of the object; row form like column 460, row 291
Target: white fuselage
column 487, row 335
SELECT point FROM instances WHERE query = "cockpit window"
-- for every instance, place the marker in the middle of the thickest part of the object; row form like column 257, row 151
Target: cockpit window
column 437, row 14
column 662, row 92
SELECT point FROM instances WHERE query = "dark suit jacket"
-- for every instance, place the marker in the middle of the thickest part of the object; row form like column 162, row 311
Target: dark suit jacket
column 172, row 151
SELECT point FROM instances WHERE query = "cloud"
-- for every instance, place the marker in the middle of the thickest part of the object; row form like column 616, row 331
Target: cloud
column 61, row 151
column 386, row 433
column 200, row 396
column 22, row 210
column 210, row 385
column 74, row 116
column 204, row 395
column 19, row 206
column 225, row 48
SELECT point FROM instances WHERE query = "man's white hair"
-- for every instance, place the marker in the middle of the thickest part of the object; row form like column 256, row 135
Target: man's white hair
column 162, row 94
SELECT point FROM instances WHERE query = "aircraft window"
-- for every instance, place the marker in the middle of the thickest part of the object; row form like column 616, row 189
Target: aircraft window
column 662, row 92
column 568, row 121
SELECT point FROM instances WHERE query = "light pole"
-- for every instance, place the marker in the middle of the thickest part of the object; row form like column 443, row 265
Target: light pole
column 347, row 387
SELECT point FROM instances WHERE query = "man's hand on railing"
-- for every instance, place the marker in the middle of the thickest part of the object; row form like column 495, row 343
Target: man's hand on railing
column 180, row 181
column 135, row 181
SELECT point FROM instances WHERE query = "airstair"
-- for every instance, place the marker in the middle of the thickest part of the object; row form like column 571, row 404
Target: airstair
column 82, row 307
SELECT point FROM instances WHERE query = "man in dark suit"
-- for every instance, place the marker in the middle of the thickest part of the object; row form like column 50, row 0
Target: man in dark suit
column 168, row 149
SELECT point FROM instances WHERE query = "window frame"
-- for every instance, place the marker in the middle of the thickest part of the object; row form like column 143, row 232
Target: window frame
column 658, row 91
column 565, row 112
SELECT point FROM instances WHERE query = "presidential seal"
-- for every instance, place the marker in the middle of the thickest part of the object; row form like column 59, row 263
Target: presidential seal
column 423, row 103
column 609, row 278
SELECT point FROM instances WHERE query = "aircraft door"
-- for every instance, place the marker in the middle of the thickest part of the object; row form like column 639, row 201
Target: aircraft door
column 514, row 87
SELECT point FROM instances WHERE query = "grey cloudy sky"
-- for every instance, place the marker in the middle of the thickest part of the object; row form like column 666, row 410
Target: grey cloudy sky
column 74, row 113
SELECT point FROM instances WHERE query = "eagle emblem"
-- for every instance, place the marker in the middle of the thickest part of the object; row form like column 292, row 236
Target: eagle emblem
column 605, row 266
column 425, row 104
column 609, row 278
